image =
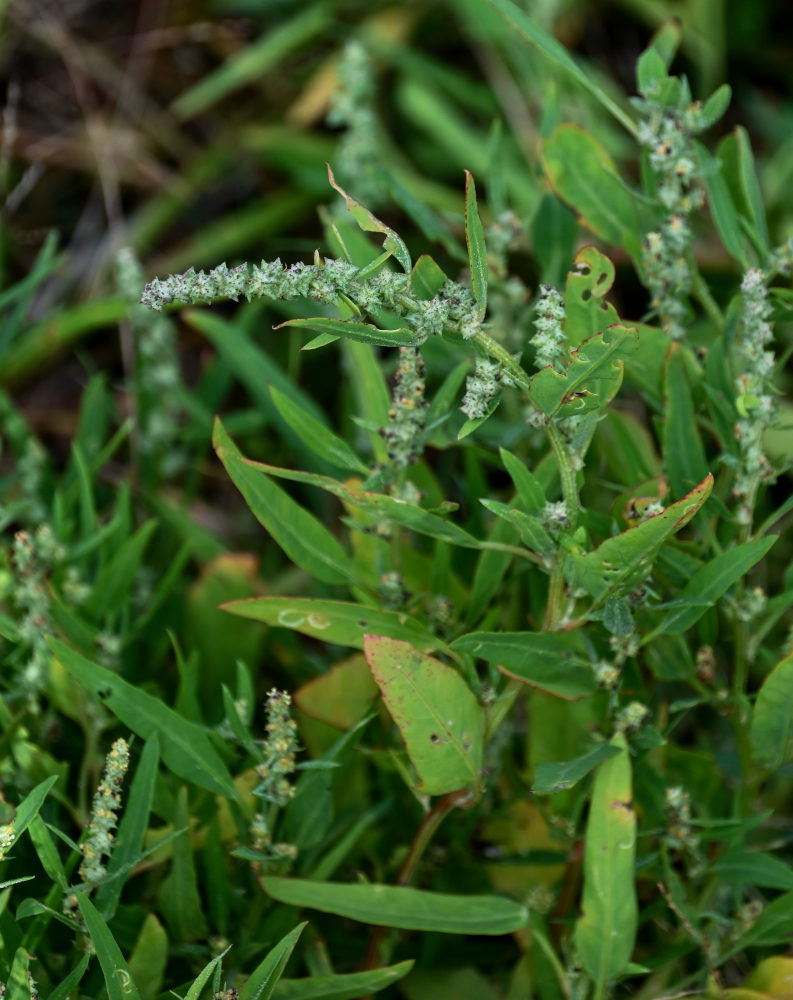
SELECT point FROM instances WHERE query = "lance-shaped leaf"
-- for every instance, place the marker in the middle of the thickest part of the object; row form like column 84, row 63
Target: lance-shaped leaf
column 379, row 505
column 426, row 277
column 625, row 559
column 772, row 717
column 593, row 376
column 186, row 747
column 551, row 661
column 477, row 251
column 118, row 979
column 556, row 53
column 342, row 986
column 556, row 776
column 342, row 622
column 606, row 932
column 709, row 583
column 399, row 906
column 684, row 453
column 371, row 224
column 316, row 436
column 438, row 716
column 584, row 175
column 365, row 333
column 306, row 541
column 262, row 982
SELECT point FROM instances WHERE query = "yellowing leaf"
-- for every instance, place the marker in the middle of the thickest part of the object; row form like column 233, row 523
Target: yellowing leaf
column 441, row 721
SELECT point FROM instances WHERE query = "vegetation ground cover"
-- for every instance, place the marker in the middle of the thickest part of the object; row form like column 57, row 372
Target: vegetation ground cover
column 406, row 611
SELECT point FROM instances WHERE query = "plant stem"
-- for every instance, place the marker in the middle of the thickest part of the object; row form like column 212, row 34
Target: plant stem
column 567, row 474
column 426, row 831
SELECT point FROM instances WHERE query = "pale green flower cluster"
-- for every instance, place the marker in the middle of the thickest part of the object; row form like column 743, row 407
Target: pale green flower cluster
column 107, row 800
column 680, row 835
column 7, row 838
column 157, row 375
column 408, row 413
column 666, row 133
column 27, row 506
column 352, row 108
column 279, row 751
column 328, row 281
column 481, row 388
column 549, row 341
column 32, row 557
column 631, row 716
column 755, row 404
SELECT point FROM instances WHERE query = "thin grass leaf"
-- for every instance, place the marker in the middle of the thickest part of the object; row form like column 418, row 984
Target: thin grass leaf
column 118, row 979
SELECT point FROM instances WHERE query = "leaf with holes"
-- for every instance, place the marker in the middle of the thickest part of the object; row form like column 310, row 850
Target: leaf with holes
column 592, row 378
column 440, row 720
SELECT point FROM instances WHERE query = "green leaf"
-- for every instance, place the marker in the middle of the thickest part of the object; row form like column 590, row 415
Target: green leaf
column 709, row 583
column 252, row 365
column 587, row 311
column 18, row 985
column 722, row 208
column 666, row 41
column 180, row 902
column 48, row 853
column 557, row 776
column 29, row 807
column 341, row 622
column 754, row 868
column 371, row 224
column 309, row 815
column 558, row 54
column 379, row 505
column 623, row 560
column 147, row 962
column 203, row 977
column 716, row 106
column 477, row 251
column 341, row 987
column 584, row 175
column 251, row 62
column 396, row 906
column 438, row 716
column 118, row 979
column 64, row 988
column 365, row 333
column 740, row 174
column 261, row 983
column 606, row 931
column 592, row 378
column 684, row 453
column 316, row 435
column 552, row 661
column 426, row 278
column 772, row 717
column 186, row 747
column 650, row 70
column 302, row 537
column 532, row 533
column 112, row 587
column 530, row 492
column 491, row 566
column 773, row 926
